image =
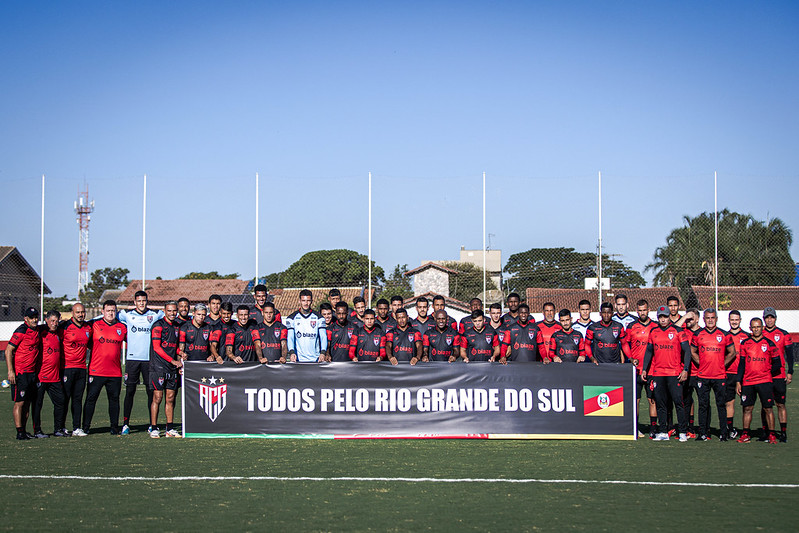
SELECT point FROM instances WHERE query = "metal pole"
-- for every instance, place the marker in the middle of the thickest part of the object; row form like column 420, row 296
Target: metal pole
column 484, row 240
column 599, row 255
column 369, row 297
column 41, row 266
column 716, row 220
column 144, row 234
column 256, row 228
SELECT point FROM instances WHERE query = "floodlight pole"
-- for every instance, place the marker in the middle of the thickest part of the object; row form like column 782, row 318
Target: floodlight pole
column 256, row 229
column 144, row 235
column 599, row 255
column 484, row 240
column 716, row 232
column 369, row 296
column 41, row 266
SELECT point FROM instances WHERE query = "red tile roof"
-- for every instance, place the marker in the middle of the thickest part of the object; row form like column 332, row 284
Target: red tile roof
column 430, row 264
column 288, row 300
column 160, row 291
column 749, row 298
column 451, row 303
column 569, row 298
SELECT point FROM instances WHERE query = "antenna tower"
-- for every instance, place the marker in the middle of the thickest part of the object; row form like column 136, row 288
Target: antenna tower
column 83, row 208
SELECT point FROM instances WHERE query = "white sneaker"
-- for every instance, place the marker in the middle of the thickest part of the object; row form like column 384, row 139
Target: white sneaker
column 155, row 434
column 173, row 433
column 125, row 430
column 661, row 436
column 683, row 437
column 640, row 435
column 79, row 433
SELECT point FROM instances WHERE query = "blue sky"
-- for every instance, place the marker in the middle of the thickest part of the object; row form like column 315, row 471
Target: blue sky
column 425, row 95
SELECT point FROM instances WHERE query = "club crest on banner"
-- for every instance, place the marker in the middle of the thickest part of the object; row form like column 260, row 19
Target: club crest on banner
column 213, row 399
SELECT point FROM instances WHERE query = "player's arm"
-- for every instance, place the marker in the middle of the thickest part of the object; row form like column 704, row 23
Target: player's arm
column 731, row 354
column 353, row 351
column 291, row 339
column 790, row 348
column 321, row 334
column 495, row 346
column 461, row 341
column 384, row 353
column 10, row 349
column 284, row 348
column 686, row 360
column 742, row 371
column 589, row 341
column 256, row 343
column 425, row 348
column 182, row 345
column 694, row 351
column 648, row 354
column 625, row 347
column 552, row 349
column 159, row 350
column 417, row 345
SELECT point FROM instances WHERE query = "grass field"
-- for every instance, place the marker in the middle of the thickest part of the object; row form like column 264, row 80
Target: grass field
column 565, row 482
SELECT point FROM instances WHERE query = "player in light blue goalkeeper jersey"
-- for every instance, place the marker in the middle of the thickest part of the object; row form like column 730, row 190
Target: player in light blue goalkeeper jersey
column 137, row 360
column 307, row 332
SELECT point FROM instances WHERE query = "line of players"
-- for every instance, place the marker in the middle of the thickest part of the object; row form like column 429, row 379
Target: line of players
column 158, row 342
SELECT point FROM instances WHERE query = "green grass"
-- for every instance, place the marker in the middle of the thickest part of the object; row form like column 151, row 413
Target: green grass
column 389, row 505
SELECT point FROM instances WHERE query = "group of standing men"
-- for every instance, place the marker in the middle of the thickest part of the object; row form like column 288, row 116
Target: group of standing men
column 673, row 355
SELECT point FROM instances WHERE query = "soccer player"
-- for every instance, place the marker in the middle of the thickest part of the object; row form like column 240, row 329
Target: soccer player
column 403, row 342
column 690, row 324
column 164, row 367
column 274, row 335
column 440, row 304
column 214, row 305
column 242, row 339
column 523, row 341
column 466, row 322
column 105, row 368
column 441, row 343
column 359, row 304
column 712, row 349
column 334, row 297
column 339, row 334
column 397, row 303
column 326, row 310
column 495, row 320
column 785, row 349
column 567, row 345
column 582, row 323
column 23, row 356
column 76, row 336
column 422, row 323
column 383, row 318
column 479, row 343
column 673, row 303
column 307, row 333
column 621, row 315
column 637, row 338
column 738, row 336
column 219, row 333
column 261, row 296
column 194, row 337
column 605, row 340
column 666, row 367
column 759, row 363
column 50, row 377
column 139, row 320
column 513, row 309
column 548, row 326
column 368, row 343
column 183, row 311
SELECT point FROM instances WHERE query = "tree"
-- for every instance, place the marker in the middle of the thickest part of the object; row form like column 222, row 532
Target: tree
column 751, row 252
column 331, row 268
column 468, row 283
column 103, row 279
column 54, row 304
column 398, row 283
column 210, row 275
column 564, row 268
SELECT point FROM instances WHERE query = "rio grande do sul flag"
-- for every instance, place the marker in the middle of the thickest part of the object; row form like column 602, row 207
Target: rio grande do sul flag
column 603, row 401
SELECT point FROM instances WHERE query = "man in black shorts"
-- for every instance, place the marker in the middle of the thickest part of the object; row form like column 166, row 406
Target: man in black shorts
column 23, row 355
column 164, row 366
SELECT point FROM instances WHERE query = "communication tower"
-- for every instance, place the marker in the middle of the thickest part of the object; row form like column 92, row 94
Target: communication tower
column 83, row 208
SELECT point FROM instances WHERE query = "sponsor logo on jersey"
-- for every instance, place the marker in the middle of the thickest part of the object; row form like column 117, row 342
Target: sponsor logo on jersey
column 213, row 399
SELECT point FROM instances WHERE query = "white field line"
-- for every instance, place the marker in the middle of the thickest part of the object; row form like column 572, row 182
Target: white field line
column 402, row 480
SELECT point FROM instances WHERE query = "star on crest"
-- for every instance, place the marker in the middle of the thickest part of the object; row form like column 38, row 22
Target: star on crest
column 221, row 380
column 204, row 380
column 212, row 381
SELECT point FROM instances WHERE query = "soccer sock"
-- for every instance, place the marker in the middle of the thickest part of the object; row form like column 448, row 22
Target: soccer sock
column 20, row 430
column 653, row 421
column 169, row 426
column 763, row 419
column 784, row 427
column 691, row 420
column 130, row 392
column 729, row 422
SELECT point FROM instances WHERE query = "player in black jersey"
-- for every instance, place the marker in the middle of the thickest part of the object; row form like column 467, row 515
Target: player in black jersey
column 219, row 333
column 334, row 297
column 397, row 303
column 274, row 336
column 604, row 339
column 339, row 333
column 368, row 343
column 359, row 303
column 478, row 342
column 327, row 312
column 242, row 340
column 383, row 318
column 567, row 344
column 523, row 340
column 403, row 342
column 466, row 322
column 513, row 309
column 214, row 305
column 440, row 304
column 423, row 323
column 183, row 311
column 195, row 337
column 442, row 343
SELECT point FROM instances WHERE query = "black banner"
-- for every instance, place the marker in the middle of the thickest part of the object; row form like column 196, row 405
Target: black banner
column 429, row 400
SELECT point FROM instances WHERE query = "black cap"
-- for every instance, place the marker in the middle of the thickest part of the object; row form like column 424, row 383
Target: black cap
column 769, row 311
column 663, row 311
column 31, row 312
